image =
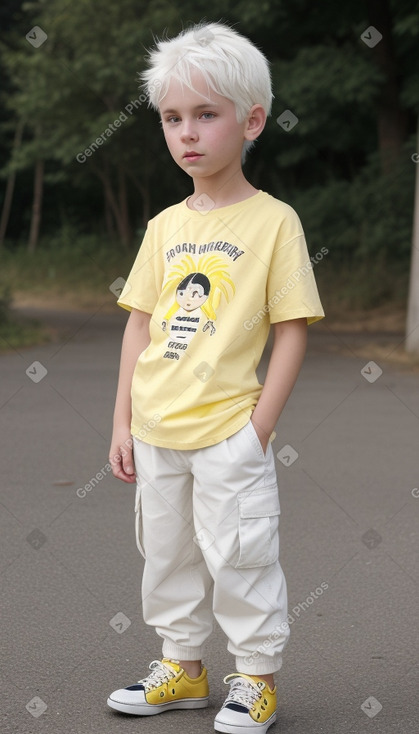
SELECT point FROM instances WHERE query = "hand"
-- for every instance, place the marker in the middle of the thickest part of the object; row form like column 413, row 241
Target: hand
column 209, row 325
column 262, row 436
column 121, row 456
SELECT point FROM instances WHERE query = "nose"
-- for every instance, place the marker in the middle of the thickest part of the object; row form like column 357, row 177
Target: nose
column 188, row 131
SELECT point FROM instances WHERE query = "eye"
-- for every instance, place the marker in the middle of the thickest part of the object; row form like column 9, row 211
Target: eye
column 207, row 115
column 172, row 119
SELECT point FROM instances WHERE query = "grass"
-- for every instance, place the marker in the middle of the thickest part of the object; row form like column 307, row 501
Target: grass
column 17, row 332
column 69, row 274
column 20, row 333
column 353, row 292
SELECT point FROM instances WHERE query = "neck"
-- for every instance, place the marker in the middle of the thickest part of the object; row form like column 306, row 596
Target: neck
column 222, row 190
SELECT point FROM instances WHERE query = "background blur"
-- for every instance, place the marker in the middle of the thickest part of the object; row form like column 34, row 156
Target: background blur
column 73, row 216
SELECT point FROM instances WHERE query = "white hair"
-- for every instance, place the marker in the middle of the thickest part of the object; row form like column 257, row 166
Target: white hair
column 230, row 63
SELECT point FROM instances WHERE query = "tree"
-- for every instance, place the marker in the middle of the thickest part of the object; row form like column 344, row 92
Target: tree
column 412, row 326
column 391, row 116
column 351, row 102
column 10, row 186
column 81, row 89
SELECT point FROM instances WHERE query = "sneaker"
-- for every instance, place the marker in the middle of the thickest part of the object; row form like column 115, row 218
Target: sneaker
column 167, row 687
column 250, row 707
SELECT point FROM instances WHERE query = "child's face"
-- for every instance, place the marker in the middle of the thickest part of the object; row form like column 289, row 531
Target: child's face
column 206, row 130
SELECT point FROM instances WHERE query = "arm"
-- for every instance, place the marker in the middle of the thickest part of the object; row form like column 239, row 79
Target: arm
column 136, row 339
column 290, row 340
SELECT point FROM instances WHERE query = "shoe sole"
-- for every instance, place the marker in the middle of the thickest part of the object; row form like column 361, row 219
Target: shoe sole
column 151, row 709
column 253, row 728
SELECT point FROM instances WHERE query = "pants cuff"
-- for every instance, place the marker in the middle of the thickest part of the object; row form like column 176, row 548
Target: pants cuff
column 260, row 666
column 179, row 652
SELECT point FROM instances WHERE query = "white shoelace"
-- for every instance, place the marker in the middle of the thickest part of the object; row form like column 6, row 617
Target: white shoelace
column 161, row 673
column 242, row 690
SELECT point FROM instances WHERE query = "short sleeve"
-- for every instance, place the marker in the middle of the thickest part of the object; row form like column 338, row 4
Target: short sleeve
column 143, row 285
column 291, row 288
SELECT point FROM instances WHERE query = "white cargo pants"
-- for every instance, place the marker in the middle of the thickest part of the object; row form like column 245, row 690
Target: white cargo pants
column 207, row 525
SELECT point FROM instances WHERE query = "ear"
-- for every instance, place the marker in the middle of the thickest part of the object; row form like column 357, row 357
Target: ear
column 255, row 122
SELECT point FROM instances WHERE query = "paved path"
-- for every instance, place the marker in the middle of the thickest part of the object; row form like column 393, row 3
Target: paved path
column 72, row 628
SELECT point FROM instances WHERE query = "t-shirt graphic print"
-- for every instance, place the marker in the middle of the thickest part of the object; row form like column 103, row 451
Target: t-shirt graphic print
column 197, row 289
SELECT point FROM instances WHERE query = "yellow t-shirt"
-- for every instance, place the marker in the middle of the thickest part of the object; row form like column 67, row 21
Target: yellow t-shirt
column 213, row 282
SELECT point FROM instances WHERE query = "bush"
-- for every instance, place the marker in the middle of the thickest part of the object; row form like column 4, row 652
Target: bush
column 16, row 332
column 365, row 220
column 5, row 303
column 68, row 264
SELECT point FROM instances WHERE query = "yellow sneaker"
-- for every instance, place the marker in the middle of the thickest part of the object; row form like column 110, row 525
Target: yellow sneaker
column 167, row 687
column 250, row 707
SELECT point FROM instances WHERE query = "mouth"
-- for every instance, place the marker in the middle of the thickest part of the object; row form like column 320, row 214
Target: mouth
column 192, row 155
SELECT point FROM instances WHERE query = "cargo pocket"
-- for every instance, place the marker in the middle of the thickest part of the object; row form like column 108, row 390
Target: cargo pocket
column 258, row 527
column 139, row 522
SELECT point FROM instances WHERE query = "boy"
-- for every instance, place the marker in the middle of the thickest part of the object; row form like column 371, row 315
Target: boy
column 212, row 274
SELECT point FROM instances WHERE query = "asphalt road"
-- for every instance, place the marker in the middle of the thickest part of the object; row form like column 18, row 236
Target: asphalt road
column 72, row 629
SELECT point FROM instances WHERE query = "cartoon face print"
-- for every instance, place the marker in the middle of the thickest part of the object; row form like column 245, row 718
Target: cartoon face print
column 193, row 291
column 197, row 289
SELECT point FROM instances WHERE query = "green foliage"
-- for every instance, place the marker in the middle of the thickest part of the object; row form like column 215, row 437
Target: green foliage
column 16, row 332
column 68, row 262
column 369, row 217
column 5, row 301
column 362, row 285
column 71, row 89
